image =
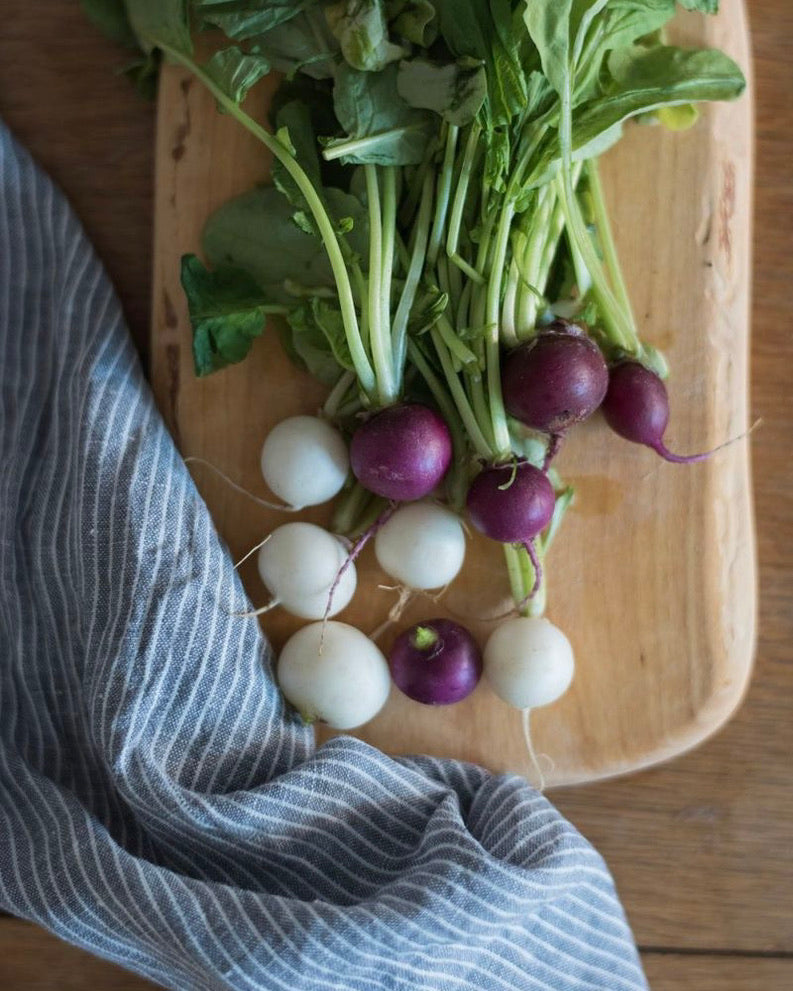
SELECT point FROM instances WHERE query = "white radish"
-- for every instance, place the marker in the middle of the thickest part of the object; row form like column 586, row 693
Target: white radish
column 422, row 545
column 528, row 662
column 335, row 673
column 305, row 461
column 299, row 563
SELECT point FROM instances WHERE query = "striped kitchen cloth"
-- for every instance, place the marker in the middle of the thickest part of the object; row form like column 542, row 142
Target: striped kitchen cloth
column 158, row 805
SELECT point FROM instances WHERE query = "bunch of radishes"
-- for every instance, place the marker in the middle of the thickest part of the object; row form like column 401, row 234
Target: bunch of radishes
column 335, row 673
column 421, row 254
column 332, row 671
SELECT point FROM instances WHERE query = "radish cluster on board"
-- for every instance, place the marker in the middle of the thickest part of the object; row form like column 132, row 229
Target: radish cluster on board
column 455, row 283
column 402, row 453
column 328, row 670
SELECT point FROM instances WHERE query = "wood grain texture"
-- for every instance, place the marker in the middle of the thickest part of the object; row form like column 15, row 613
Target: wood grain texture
column 653, row 575
column 62, row 96
column 700, row 847
column 677, row 972
column 31, row 959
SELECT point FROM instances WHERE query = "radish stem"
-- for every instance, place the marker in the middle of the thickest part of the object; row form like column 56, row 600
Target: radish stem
column 324, row 224
column 420, row 238
column 442, row 197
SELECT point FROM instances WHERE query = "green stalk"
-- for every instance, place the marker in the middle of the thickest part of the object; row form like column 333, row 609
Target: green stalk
column 477, row 321
column 402, row 253
column 389, row 236
column 477, row 382
column 530, row 140
column 467, row 269
column 521, row 579
column 349, row 508
column 458, row 206
column 410, row 202
column 357, row 145
column 583, row 277
column 447, row 283
column 459, row 483
column 479, row 292
column 606, row 238
column 498, row 415
column 536, row 605
column 517, row 580
column 456, row 347
column 363, row 367
column 442, row 271
column 421, row 233
column 380, row 337
column 484, row 202
column 476, row 389
column 536, row 272
column 617, row 324
column 371, row 514
column 436, row 387
column 442, row 197
column 455, row 387
column 362, row 291
column 455, row 276
column 462, row 314
column 508, row 328
column 351, row 407
column 300, row 291
column 542, row 236
column 337, row 394
column 563, row 502
column 487, row 235
column 555, row 229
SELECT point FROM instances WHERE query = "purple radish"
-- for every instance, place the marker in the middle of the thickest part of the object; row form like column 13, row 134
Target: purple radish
column 436, row 662
column 402, row 452
column 554, row 381
column 637, row 408
column 511, row 502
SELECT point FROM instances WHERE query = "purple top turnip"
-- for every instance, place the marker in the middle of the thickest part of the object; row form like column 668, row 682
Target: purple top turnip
column 436, row 662
column 402, row 452
column 555, row 380
column 637, row 408
column 511, row 502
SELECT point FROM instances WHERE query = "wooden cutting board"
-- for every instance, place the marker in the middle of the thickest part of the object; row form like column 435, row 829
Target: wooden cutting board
column 653, row 574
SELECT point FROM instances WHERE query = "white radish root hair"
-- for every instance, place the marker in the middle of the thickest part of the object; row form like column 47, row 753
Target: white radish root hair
column 194, row 459
column 529, row 663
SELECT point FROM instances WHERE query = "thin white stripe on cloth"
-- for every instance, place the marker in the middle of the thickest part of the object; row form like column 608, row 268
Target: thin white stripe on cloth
column 159, row 805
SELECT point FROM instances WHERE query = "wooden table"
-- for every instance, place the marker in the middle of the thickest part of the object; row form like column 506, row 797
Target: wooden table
column 701, row 848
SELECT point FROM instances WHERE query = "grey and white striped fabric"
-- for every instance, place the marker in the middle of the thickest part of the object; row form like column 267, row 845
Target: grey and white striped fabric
column 158, row 806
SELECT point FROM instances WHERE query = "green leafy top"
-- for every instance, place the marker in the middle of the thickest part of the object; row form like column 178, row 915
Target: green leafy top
column 362, row 30
column 703, row 6
column 235, row 72
column 429, row 155
column 158, row 23
column 244, row 19
column 226, row 310
column 435, row 193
